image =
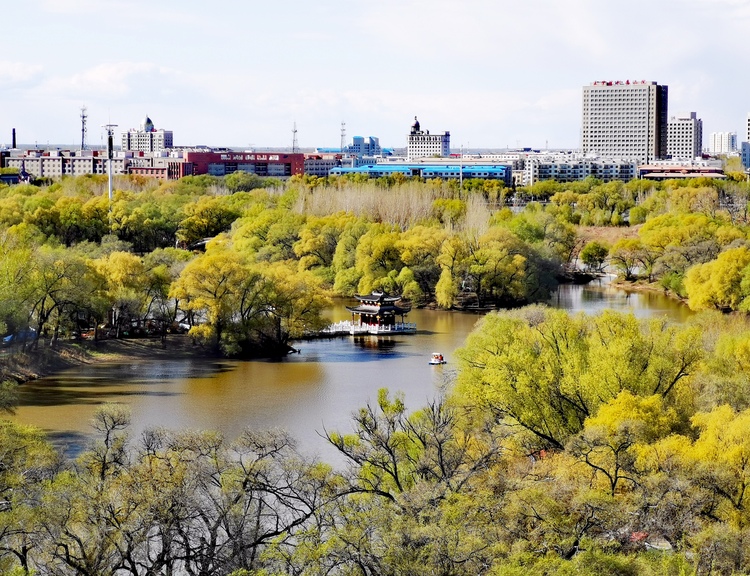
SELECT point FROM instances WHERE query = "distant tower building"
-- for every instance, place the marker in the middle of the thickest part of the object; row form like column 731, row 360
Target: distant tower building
column 421, row 143
column 147, row 138
column 625, row 120
column 747, row 133
column 685, row 136
column 360, row 146
column 723, row 142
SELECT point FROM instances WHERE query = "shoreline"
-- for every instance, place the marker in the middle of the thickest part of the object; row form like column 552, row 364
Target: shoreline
column 23, row 366
column 643, row 286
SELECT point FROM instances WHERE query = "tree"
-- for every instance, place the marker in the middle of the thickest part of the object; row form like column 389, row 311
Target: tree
column 609, row 441
column 545, row 372
column 720, row 283
column 60, row 282
column 27, row 461
column 205, row 218
column 125, row 278
column 210, row 286
column 407, row 505
column 593, row 255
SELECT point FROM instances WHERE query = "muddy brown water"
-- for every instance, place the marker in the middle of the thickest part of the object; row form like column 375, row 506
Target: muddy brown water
column 306, row 393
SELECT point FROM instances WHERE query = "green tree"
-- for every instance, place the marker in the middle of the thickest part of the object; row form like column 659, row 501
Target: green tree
column 594, row 255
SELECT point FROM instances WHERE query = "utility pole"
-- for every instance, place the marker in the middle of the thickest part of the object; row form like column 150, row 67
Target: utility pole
column 461, row 172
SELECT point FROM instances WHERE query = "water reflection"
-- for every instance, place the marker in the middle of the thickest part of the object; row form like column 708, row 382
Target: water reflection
column 306, row 393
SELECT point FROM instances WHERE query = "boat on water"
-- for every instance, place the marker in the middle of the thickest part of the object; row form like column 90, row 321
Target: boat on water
column 436, row 359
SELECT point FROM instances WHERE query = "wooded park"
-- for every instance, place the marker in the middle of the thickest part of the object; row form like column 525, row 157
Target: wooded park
column 567, row 444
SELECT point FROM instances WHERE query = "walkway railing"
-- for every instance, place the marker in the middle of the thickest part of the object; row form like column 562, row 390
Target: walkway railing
column 349, row 327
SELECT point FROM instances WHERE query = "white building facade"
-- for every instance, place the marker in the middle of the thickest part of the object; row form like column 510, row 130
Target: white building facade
column 420, row 143
column 147, row 138
column 364, row 146
column 685, row 136
column 625, row 120
column 723, row 142
column 57, row 163
column 560, row 169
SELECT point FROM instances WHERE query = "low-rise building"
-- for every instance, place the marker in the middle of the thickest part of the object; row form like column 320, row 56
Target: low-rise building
column 539, row 168
column 277, row 164
column 321, row 164
column 663, row 171
column 445, row 171
column 58, row 163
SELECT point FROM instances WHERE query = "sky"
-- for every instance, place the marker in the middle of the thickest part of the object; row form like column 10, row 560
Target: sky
column 243, row 73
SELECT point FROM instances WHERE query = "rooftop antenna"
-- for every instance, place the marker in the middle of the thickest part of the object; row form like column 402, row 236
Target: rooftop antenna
column 343, row 135
column 84, row 130
column 294, row 139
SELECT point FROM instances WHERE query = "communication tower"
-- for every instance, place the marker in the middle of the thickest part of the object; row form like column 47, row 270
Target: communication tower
column 294, row 139
column 84, row 129
column 343, row 136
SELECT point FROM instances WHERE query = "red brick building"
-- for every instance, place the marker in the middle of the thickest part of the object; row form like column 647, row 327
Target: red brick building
column 277, row 164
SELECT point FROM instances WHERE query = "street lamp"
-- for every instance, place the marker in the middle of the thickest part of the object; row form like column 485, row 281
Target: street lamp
column 110, row 128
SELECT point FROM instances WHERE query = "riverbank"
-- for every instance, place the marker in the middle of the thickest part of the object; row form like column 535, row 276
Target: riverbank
column 22, row 366
column 645, row 286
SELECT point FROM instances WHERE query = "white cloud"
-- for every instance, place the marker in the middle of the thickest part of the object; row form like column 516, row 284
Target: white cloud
column 18, row 73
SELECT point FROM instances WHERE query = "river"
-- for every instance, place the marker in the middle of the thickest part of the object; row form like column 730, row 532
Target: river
column 306, row 393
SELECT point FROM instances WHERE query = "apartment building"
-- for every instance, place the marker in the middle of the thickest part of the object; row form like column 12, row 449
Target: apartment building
column 625, row 120
column 684, row 136
column 723, row 142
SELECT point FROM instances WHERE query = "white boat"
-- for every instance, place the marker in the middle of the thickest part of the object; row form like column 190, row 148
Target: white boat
column 436, row 359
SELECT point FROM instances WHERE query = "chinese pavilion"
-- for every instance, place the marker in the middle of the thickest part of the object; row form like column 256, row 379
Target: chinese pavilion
column 377, row 313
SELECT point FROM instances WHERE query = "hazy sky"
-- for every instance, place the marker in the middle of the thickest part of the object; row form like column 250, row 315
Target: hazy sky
column 494, row 73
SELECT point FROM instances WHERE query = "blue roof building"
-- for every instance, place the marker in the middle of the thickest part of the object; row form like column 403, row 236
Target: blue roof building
column 427, row 171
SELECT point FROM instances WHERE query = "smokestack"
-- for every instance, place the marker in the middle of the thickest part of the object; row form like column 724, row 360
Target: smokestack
column 13, row 139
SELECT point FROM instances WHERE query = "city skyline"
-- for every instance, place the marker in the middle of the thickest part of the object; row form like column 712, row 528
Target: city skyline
column 241, row 74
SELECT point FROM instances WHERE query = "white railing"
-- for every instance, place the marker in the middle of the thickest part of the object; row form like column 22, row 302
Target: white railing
column 349, row 327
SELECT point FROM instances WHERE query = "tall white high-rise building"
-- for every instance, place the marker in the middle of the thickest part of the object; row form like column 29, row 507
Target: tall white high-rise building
column 625, row 120
column 147, row 138
column 684, row 136
column 421, row 143
column 723, row 142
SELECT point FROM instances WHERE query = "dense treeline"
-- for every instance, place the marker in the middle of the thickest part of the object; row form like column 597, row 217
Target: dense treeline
column 250, row 267
column 568, row 444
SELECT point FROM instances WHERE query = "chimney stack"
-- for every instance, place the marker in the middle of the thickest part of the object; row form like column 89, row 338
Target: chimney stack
column 13, row 139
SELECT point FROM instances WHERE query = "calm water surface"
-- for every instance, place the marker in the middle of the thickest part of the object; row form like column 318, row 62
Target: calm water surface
column 305, row 393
